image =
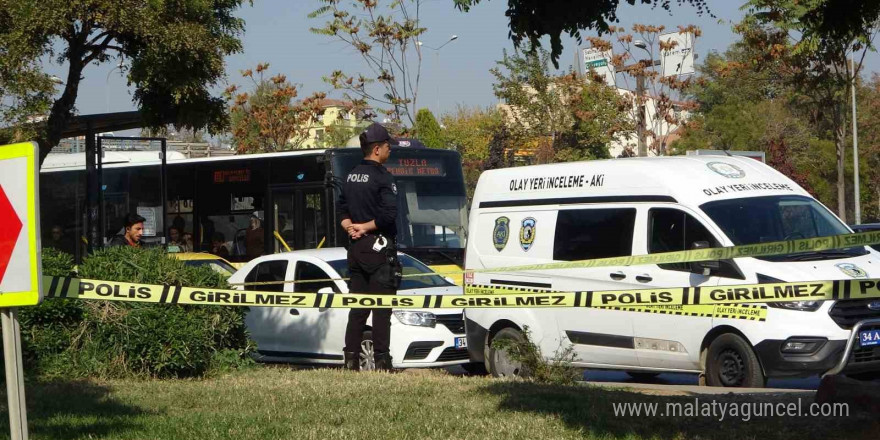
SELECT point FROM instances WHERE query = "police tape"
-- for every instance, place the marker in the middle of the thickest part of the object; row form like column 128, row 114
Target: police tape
column 768, row 249
column 723, row 296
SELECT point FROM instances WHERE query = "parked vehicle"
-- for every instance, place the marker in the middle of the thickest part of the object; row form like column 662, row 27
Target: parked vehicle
column 613, row 208
column 866, row 227
column 197, row 259
column 419, row 338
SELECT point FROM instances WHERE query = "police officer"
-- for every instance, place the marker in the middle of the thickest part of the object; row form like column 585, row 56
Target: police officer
column 368, row 209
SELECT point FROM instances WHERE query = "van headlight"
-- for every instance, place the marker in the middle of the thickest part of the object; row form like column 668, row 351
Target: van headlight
column 421, row 319
column 802, row 306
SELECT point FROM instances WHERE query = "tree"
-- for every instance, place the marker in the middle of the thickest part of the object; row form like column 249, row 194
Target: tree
column 428, row 130
column 269, row 119
column 173, row 54
column 868, row 99
column 566, row 117
column 531, row 20
column 470, row 131
column 389, row 44
column 802, row 38
column 659, row 106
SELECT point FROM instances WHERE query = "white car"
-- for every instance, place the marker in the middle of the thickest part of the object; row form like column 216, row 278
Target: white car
column 419, row 338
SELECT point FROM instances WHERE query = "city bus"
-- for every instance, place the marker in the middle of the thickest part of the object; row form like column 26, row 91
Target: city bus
column 256, row 204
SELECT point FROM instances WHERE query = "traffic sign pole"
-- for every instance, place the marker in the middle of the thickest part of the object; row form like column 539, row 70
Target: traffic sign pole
column 14, row 374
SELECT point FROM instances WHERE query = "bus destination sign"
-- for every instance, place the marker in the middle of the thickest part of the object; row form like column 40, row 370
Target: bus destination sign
column 411, row 167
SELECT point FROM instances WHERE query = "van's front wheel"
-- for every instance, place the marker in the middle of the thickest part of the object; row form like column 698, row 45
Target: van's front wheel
column 731, row 362
column 500, row 363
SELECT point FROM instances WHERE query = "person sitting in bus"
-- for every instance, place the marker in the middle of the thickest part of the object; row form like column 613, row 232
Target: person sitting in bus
column 133, row 231
column 59, row 241
column 174, row 238
column 218, row 245
column 188, row 245
column 254, row 239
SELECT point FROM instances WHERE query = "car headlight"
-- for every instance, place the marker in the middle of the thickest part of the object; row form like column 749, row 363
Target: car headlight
column 803, row 306
column 421, row 319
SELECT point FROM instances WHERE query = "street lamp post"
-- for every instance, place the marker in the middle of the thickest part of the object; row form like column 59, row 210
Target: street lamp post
column 437, row 53
column 639, row 68
column 107, row 84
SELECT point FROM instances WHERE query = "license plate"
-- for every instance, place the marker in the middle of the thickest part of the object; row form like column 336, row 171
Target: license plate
column 460, row 342
column 868, row 338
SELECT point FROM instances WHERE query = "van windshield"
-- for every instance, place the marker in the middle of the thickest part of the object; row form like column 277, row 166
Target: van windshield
column 776, row 218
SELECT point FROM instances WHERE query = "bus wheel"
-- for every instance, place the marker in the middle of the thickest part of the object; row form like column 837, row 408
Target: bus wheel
column 731, row 362
column 500, row 363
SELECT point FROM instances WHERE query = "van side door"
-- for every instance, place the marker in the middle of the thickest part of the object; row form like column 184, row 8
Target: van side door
column 600, row 337
column 670, row 340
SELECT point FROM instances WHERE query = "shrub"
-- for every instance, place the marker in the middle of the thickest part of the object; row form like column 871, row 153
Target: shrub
column 114, row 339
column 557, row 370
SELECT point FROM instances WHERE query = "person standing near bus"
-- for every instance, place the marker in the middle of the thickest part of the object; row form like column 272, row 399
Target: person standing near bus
column 368, row 209
column 132, row 233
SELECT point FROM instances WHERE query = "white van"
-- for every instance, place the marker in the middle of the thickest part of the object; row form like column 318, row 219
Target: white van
column 610, row 208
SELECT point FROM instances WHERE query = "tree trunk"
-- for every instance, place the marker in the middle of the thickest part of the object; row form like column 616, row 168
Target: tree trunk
column 840, row 144
column 62, row 109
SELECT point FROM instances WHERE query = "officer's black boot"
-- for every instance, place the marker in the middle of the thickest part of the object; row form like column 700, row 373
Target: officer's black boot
column 352, row 360
column 383, row 361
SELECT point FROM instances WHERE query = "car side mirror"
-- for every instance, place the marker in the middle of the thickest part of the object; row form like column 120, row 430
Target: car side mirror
column 325, row 290
column 704, row 267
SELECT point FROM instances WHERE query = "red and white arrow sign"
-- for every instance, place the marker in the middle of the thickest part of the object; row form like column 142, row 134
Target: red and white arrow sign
column 10, row 227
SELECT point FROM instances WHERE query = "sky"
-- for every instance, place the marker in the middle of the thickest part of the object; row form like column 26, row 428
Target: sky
column 277, row 32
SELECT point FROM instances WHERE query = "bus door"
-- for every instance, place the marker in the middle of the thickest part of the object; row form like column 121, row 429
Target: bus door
column 299, row 216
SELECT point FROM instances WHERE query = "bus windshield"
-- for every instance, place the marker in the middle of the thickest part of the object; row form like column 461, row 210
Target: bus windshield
column 777, row 218
column 432, row 206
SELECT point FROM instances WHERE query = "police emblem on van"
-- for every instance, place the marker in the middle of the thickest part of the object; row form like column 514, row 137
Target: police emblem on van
column 852, row 270
column 727, row 170
column 501, row 232
column 527, row 233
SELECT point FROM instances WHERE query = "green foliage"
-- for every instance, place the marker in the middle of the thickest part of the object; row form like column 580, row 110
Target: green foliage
column 569, row 117
column 173, row 54
column 531, row 20
column 428, row 130
column 557, row 370
column 77, row 338
column 470, row 131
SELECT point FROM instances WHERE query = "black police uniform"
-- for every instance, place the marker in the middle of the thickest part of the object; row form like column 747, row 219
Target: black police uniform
column 369, row 193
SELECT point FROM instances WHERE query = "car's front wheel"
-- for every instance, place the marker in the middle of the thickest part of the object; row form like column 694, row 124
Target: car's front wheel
column 731, row 362
column 500, row 362
column 367, row 360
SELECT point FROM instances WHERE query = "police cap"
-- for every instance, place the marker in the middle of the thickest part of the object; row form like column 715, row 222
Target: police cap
column 376, row 133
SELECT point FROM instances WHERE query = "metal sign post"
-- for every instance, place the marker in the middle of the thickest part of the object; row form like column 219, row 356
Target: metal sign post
column 20, row 269
column 14, row 374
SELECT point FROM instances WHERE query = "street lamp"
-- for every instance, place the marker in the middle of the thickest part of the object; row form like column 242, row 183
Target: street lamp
column 437, row 52
column 640, row 93
column 107, row 83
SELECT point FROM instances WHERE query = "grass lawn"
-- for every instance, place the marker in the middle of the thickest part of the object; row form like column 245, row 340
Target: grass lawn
column 269, row 403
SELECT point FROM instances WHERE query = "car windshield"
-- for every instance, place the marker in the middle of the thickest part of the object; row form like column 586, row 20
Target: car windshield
column 218, row 266
column 410, row 266
column 776, row 218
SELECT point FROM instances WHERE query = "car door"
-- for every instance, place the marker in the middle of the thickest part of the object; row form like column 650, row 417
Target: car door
column 669, row 340
column 599, row 336
column 267, row 324
column 319, row 332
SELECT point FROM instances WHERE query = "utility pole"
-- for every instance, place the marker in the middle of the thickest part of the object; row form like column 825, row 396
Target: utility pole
column 640, row 101
column 858, row 205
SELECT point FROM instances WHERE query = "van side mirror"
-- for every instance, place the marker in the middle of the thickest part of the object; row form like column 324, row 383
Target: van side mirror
column 704, row 267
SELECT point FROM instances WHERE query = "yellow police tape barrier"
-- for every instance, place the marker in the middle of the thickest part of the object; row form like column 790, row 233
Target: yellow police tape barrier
column 654, row 299
column 709, row 254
